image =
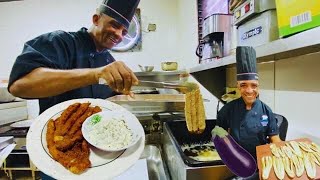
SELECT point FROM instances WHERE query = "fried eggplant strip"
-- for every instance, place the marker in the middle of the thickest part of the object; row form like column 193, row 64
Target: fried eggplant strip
column 66, row 114
column 188, row 111
column 77, row 125
column 79, row 157
column 68, row 141
column 194, row 110
column 50, row 140
column 65, row 128
column 96, row 109
column 201, row 120
column 75, row 154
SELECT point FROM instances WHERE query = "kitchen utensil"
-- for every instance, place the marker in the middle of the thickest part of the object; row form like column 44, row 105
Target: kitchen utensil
column 182, row 87
column 146, row 68
column 161, row 85
column 169, row 66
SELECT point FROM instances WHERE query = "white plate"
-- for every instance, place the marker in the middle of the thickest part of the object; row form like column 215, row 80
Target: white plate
column 22, row 124
column 105, row 165
column 88, row 127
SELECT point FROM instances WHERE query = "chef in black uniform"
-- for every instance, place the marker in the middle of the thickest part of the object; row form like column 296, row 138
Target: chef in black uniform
column 59, row 66
column 248, row 120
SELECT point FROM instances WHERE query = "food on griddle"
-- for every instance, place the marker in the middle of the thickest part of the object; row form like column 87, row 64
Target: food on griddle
column 194, row 109
column 288, row 167
column 278, row 167
column 64, row 137
column 235, row 157
column 201, row 151
column 266, row 166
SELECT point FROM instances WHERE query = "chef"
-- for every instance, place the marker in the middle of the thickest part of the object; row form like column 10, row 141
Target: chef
column 248, row 120
column 59, row 66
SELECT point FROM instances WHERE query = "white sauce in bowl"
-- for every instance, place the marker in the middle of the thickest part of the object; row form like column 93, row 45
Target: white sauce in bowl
column 110, row 134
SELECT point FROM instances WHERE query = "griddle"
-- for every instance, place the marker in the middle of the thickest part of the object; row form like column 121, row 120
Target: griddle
column 180, row 135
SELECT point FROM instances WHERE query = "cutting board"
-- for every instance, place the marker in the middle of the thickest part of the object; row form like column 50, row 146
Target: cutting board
column 264, row 150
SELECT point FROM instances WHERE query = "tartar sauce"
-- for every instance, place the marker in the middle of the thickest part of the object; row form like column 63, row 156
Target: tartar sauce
column 110, row 134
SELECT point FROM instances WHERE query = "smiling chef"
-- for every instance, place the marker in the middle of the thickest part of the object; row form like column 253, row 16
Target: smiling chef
column 249, row 121
column 59, row 66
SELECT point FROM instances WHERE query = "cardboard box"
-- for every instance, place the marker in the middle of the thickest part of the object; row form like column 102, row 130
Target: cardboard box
column 297, row 15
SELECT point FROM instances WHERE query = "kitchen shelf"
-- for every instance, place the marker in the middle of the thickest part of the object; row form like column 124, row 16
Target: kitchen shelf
column 299, row 44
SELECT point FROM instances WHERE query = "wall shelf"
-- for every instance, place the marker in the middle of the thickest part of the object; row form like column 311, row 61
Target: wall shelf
column 299, row 44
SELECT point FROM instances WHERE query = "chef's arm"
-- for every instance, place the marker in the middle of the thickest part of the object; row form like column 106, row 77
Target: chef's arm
column 45, row 82
column 275, row 138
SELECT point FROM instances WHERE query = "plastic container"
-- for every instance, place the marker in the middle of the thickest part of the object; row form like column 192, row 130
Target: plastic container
column 260, row 30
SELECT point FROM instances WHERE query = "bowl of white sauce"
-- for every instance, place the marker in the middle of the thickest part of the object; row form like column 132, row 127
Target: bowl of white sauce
column 111, row 130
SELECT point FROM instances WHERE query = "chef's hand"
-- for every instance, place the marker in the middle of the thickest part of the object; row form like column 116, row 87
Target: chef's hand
column 118, row 77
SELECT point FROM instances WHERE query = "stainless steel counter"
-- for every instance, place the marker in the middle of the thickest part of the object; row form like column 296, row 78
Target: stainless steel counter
column 157, row 169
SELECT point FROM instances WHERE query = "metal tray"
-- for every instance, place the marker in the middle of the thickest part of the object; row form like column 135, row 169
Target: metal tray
column 151, row 103
column 180, row 135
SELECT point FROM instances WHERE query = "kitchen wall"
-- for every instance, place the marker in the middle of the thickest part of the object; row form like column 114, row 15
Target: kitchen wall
column 22, row 20
column 175, row 38
column 291, row 87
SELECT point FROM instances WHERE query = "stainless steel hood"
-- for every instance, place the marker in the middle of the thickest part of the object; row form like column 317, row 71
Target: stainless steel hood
column 214, row 80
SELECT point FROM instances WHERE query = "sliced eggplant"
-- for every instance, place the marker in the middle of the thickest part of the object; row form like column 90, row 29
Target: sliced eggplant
column 314, row 158
column 296, row 148
column 275, row 150
column 282, row 154
column 287, row 151
column 289, row 167
column 266, row 166
column 298, row 164
column 278, row 167
column 317, row 156
column 309, row 165
column 305, row 146
column 315, row 147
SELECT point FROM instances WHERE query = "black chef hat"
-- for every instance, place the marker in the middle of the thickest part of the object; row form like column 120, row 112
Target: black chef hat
column 246, row 63
column 120, row 10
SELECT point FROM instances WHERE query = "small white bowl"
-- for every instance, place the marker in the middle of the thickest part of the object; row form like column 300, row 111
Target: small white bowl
column 95, row 132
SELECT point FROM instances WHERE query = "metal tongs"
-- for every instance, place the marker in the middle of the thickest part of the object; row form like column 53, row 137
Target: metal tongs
column 165, row 85
column 155, row 84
